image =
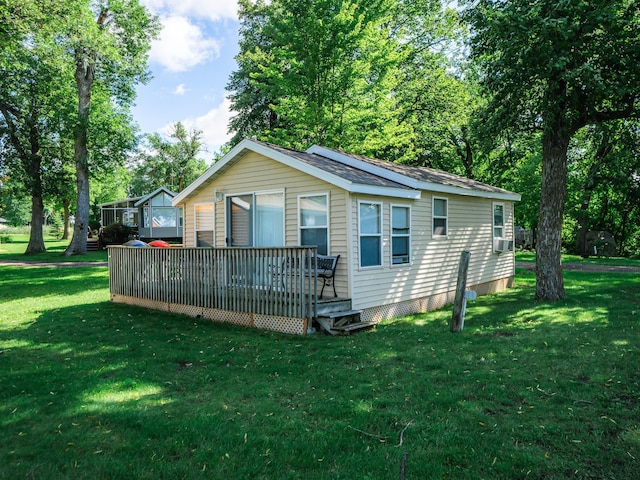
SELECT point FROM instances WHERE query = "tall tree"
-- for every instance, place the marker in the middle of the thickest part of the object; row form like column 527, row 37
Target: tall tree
column 556, row 66
column 33, row 92
column 172, row 163
column 316, row 72
column 110, row 40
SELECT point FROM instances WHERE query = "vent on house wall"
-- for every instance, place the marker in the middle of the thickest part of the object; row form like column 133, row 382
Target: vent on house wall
column 502, row 245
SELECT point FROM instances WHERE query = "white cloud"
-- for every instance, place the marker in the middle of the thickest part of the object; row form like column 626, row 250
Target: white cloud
column 209, row 9
column 182, row 45
column 180, row 90
column 213, row 125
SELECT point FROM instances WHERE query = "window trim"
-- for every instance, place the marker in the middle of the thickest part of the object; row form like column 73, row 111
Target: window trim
column 407, row 235
column 327, row 226
column 434, row 217
column 379, row 234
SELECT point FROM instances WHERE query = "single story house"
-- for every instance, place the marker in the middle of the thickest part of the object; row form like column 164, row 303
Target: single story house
column 152, row 215
column 399, row 230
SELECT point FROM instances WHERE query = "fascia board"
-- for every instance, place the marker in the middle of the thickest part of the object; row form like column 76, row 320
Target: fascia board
column 364, row 166
column 385, row 191
column 438, row 188
column 132, row 199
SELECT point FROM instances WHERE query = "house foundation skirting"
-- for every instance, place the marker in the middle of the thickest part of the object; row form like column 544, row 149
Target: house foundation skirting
column 432, row 302
column 295, row 326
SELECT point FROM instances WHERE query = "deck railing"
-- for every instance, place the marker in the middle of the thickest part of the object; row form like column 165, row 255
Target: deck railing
column 269, row 281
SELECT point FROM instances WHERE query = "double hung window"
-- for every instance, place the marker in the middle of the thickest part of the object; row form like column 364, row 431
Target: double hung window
column 313, row 218
column 400, row 234
column 370, row 233
column 440, row 217
column 498, row 220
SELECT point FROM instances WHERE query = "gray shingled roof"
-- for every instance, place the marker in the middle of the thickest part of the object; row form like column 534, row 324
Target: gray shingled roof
column 347, row 172
column 428, row 175
column 356, row 175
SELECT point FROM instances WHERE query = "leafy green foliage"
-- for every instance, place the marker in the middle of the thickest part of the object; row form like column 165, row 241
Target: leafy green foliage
column 172, row 163
column 117, row 234
column 557, row 67
column 357, row 76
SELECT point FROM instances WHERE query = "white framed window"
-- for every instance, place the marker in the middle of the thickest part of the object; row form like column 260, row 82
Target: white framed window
column 313, row 221
column 204, row 222
column 370, row 233
column 440, row 217
column 498, row 220
column 400, row 234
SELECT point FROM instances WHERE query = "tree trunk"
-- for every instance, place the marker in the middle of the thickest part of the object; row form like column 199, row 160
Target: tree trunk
column 85, row 69
column 549, row 282
column 33, row 168
column 66, row 207
column 36, row 237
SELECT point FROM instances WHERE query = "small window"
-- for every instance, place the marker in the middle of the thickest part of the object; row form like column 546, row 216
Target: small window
column 498, row 220
column 440, row 217
column 370, row 232
column 400, row 234
column 204, row 219
column 313, row 214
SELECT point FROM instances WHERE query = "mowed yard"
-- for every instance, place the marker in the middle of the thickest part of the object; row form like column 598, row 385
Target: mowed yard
column 91, row 389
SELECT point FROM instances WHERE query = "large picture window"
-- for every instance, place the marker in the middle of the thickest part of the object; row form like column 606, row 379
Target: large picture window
column 400, row 234
column 313, row 214
column 370, row 233
column 440, row 217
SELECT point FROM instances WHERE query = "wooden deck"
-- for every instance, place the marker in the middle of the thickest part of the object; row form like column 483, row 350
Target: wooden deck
column 254, row 287
column 247, row 286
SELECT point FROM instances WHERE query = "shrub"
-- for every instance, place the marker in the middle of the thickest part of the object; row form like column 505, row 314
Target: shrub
column 116, row 233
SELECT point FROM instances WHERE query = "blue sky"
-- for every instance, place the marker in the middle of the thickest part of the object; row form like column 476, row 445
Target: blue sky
column 191, row 62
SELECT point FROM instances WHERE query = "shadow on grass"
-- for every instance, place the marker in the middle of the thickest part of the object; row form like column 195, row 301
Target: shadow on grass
column 36, row 282
column 545, row 391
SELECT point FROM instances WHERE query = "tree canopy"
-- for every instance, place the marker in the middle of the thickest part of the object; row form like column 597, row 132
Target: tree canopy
column 172, row 163
column 556, row 66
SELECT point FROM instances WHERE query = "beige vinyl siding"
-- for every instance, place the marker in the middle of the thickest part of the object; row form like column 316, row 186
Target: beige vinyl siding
column 434, row 261
column 257, row 173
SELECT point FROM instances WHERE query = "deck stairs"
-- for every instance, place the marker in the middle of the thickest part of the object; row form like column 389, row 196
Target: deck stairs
column 336, row 317
column 92, row 245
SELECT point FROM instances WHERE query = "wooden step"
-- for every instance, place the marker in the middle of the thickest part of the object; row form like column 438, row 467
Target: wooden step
column 340, row 322
column 354, row 326
column 92, row 245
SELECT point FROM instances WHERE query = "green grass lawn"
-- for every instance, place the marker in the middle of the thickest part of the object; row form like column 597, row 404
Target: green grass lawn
column 13, row 247
column 527, row 256
column 92, row 389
